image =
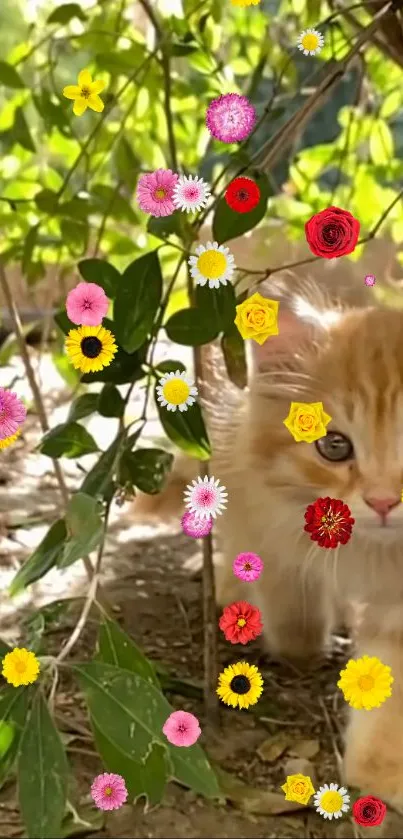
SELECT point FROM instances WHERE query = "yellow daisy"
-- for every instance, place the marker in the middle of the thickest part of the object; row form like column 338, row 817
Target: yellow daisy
column 20, row 667
column 366, row 682
column 90, row 348
column 85, row 94
column 240, row 685
column 245, row 2
column 8, row 441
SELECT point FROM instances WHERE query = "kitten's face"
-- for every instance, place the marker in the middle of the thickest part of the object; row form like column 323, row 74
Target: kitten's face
column 358, row 375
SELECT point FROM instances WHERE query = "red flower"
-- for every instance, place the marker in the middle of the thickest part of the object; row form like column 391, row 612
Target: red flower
column 242, row 195
column 369, row 811
column 332, row 232
column 329, row 522
column 241, row 622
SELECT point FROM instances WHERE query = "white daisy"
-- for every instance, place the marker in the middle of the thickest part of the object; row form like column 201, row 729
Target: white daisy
column 214, row 264
column 176, row 390
column 191, row 193
column 310, row 41
column 205, row 497
column 331, row 801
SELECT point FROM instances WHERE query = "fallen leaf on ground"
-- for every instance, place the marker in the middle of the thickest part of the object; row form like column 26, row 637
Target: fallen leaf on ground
column 253, row 799
column 305, row 748
column 272, row 748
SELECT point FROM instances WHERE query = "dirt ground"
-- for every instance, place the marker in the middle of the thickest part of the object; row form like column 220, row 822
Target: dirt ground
column 150, row 580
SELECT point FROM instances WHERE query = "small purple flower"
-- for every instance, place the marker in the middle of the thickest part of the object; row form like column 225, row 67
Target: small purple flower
column 230, row 118
column 369, row 279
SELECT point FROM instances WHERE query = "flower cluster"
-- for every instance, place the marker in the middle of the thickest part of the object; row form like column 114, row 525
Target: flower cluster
column 90, row 347
column 12, row 415
column 162, row 192
column 331, row 801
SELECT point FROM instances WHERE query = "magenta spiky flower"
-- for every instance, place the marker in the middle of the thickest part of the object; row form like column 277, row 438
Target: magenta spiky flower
column 230, row 118
column 12, row 413
column 195, row 526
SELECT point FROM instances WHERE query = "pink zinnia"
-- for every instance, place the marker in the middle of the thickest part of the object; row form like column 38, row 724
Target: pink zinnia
column 195, row 526
column 87, row 304
column 182, row 729
column 248, row 567
column 155, row 192
column 12, row 413
column 230, row 118
column 369, row 279
column 109, row 791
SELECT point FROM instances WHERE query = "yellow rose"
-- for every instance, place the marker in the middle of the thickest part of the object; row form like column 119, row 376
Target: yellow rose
column 256, row 318
column 307, row 421
column 298, row 788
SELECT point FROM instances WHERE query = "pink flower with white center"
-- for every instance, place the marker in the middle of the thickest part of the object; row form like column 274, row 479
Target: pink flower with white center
column 247, row 567
column 190, row 193
column 182, row 728
column 155, row 192
column 205, row 497
column 369, row 279
column 12, row 413
column 194, row 526
column 109, row 791
column 87, row 304
column 230, row 118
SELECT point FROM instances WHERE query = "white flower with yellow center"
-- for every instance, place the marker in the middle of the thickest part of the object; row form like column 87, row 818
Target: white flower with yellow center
column 310, row 41
column 176, row 390
column 331, row 801
column 214, row 264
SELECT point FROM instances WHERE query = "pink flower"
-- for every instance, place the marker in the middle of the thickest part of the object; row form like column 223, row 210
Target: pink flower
column 155, row 192
column 195, row 526
column 369, row 279
column 182, row 729
column 12, row 413
column 109, row 791
column 87, row 304
column 230, row 118
column 248, row 567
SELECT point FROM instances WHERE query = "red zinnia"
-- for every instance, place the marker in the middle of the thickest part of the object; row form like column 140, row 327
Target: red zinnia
column 242, row 195
column 241, row 622
column 329, row 522
column 369, row 811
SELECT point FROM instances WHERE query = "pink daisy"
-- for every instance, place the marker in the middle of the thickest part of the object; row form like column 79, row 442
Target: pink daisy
column 12, row 413
column 369, row 279
column 195, row 526
column 205, row 497
column 155, row 192
column 182, row 729
column 109, row 791
column 191, row 193
column 248, row 567
column 87, row 304
column 230, row 118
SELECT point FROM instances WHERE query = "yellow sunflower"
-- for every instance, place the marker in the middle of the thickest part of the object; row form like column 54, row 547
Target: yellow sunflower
column 90, row 348
column 366, row 682
column 20, row 667
column 240, row 685
column 85, row 94
column 8, row 441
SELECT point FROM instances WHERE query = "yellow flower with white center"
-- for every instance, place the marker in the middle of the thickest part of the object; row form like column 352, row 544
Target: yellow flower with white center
column 310, row 41
column 176, row 390
column 307, row 421
column 366, row 682
column 20, row 667
column 298, row 788
column 214, row 264
column 331, row 801
column 85, row 94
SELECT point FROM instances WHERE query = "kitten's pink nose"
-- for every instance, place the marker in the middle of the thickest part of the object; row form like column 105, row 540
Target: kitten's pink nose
column 382, row 506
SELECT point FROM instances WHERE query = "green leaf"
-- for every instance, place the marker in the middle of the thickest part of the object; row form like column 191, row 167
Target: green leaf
column 124, row 368
column 127, row 164
column 133, row 713
column 63, row 14
column 147, row 469
column 102, row 273
column 75, row 235
column 110, row 402
column 217, row 304
column 186, row 430
column 233, row 347
column 169, row 366
column 9, row 76
column 42, row 774
column 14, row 706
column 137, row 301
column 29, row 246
column 43, row 558
column 192, row 327
column 68, row 440
column 47, row 201
column 84, row 528
column 147, row 778
column 391, row 104
column 117, row 648
column 381, row 144
column 20, row 132
column 83, row 406
column 228, row 224
column 7, row 732
column 99, row 477
column 63, row 321
column 107, row 199
column 165, row 226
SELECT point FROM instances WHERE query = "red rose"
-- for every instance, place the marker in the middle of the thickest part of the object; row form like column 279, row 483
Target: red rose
column 329, row 522
column 332, row 232
column 369, row 811
column 241, row 622
column 242, row 195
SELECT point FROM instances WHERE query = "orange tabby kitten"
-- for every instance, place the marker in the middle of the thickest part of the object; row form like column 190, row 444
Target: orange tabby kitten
column 351, row 359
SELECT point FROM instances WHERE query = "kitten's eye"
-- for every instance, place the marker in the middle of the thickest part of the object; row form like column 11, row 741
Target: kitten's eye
column 335, row 446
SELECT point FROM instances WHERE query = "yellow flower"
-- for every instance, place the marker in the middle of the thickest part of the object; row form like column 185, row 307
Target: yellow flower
column 240, row 685
column 307, row 421
column 8, row 441
column 366, row 682
column 298, row 788
column 20, row 667
column 256, row 318
column 85, row 94
column 90, row 348
column 245, row 2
